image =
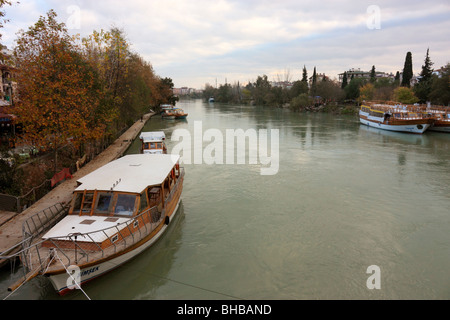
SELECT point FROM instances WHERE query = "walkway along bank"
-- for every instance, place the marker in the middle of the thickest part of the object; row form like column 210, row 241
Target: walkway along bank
column 11, row 232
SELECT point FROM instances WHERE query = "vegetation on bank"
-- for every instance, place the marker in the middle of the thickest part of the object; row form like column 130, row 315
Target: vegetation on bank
column 74, row 94
column 333, row 96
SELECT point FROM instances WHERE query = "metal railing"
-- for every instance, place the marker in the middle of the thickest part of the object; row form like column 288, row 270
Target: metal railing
column 84, row 247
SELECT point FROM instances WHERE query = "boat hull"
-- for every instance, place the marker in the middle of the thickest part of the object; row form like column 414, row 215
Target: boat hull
column 440, row 127
column 411, row 126
column 62, row 282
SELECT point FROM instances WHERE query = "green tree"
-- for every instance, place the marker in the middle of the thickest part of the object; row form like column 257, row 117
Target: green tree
column 344, row 80
column 302, row 101
column 314, row 83
column 260, row 89
column 304, row 75
column 397, row 79
column 407, row 70
column 423, row 87
column 352, row 90
column 298, row 87
column 373, row 75
column 440, row 88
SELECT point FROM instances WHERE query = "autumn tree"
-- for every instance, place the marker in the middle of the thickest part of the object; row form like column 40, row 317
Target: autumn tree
column 57, row 88
column 405, row 95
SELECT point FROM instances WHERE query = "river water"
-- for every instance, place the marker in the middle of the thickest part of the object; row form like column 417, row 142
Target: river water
column 349, row 212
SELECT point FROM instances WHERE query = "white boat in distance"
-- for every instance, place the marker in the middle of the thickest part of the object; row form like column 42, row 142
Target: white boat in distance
column 117, row 211
column 153, row 142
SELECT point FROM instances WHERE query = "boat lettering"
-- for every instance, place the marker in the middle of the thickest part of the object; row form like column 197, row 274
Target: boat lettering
column 89, row 271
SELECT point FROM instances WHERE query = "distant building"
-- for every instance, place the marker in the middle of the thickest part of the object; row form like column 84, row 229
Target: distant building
column 283, row 84
column 185, row 91
column 358, row 73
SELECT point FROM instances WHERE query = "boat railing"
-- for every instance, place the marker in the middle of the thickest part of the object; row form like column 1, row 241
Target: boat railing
column 79, row 248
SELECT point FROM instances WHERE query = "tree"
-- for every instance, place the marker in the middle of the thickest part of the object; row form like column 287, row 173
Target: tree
column 423, row 88
column 405, row 95
column 440, row 88
column 352, row 90
column 407, row 70
column 329, row 91
column 313, row 83
column 298, row 87
column 304, row 75
column 373, row 75
column 58, row 88
column 302, row 101
column 397, row 79
column 366, row 92
column 344, row 80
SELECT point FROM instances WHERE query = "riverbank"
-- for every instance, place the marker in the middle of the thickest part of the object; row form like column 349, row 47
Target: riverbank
column 11, row 229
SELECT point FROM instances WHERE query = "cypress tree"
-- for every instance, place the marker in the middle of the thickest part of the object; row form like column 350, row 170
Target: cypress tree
column 423, row 88
column 397, row 78
column 427, row 71
column 407, row 70
column 372, row 75
column 344, row 80
column 313, row 84
column 305, row 75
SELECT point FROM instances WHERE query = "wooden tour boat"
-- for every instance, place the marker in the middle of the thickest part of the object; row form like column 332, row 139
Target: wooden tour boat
column 395, row 118
column 179, row 113
column 153, row 142
column 117, row 211
column 167, row 111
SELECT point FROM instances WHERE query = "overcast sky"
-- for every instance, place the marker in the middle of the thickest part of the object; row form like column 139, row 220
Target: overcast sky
column 196, row 42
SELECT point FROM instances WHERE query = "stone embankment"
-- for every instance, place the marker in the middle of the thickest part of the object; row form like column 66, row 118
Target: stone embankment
column 11, row 230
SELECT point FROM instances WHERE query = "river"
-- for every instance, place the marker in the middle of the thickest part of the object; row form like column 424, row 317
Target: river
column 348, row 212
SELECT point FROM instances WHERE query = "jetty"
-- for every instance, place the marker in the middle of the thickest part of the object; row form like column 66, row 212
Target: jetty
column 11, row 232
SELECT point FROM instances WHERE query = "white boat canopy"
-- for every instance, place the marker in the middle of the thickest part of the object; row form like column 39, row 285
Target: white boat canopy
column 153, row 136
column 131, row 173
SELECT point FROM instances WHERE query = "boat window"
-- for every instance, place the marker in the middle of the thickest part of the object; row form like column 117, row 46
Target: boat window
column 77, row 202
column 125, row 204
column 143, row 203
column 87, row 202
column 152, row 145
column 146, row 145
column 104, row 201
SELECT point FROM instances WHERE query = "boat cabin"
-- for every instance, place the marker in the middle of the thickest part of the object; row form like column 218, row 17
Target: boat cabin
column 153, row 142
column 134, row 190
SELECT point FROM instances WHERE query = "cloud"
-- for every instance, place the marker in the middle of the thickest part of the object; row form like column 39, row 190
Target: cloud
column 195, row 42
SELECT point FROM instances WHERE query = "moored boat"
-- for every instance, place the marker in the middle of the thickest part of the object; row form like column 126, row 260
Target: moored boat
column 442, row 118
column 179, row 113
column 167, row 111
column 117, row 211
column 394, row 118
column 153, row 142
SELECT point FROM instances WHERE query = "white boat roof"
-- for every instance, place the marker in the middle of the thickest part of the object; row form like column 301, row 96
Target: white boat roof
column 85, row 224
column 152, row 136
column 131, row 173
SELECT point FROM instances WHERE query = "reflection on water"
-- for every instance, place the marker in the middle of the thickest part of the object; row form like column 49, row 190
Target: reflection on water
column 345, row 197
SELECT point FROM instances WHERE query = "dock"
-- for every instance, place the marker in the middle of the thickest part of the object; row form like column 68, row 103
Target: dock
column 11, row 229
